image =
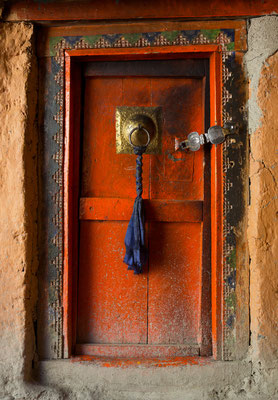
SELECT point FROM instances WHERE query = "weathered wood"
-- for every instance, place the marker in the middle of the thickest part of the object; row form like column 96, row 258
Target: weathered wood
column 32, row 10
column 163, row 305
column 136, row 351
column 117, row 209
column 49, row 35
column 190, row 68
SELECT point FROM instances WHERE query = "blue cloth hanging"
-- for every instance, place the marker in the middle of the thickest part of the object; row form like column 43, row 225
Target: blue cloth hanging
column 136, row 252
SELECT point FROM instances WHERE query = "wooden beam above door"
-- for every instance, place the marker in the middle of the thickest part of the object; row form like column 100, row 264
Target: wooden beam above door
column 65, row 10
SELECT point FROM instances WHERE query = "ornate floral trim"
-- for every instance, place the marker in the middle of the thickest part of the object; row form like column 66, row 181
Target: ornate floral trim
column 57, row 47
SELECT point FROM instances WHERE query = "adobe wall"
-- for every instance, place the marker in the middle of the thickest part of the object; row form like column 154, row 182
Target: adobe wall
column 253, row 378
column 18, row 201
column 262, row 67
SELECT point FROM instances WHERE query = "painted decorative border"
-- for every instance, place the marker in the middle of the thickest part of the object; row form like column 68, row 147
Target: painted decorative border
column 53, row 166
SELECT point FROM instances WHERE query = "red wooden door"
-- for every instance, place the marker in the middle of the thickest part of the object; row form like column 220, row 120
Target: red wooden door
column 162, row 312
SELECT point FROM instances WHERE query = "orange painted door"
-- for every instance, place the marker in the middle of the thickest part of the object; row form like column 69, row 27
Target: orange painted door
column 165, row 310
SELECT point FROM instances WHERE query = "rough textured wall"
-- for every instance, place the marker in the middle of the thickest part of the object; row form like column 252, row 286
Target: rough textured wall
column 262, row 66
column 18, row 204
column 255, row 378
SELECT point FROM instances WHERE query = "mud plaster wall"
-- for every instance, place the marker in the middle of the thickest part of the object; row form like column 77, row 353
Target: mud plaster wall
column 253, row 378
column 18, row 203
column 262, row 67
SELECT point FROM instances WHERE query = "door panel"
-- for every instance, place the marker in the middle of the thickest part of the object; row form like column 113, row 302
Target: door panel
column 113, row 303
column 162, row 306
column 174, row 283
column 105, row 173
column 178, row 175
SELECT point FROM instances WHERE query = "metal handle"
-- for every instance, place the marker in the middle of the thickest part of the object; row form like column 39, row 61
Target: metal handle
column 139, row 128
column 215, row 135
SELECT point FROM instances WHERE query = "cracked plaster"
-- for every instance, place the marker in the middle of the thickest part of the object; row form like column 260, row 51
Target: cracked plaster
column 262, row 67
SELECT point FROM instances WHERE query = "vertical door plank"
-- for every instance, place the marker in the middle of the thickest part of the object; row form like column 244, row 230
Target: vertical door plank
column 174, row 283
column 112, row 303
column 174, row 291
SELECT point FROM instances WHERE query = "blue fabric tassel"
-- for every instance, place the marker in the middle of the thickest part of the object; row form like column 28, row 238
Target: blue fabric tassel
column 136, row 252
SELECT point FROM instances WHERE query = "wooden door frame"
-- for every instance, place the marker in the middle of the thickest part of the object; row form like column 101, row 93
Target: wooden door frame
column 73, row 58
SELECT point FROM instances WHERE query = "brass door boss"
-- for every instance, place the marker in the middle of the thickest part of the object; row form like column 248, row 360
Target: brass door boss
column 138, row 126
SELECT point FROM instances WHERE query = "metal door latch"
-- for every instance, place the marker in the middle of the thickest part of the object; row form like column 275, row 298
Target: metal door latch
column 215, row 135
